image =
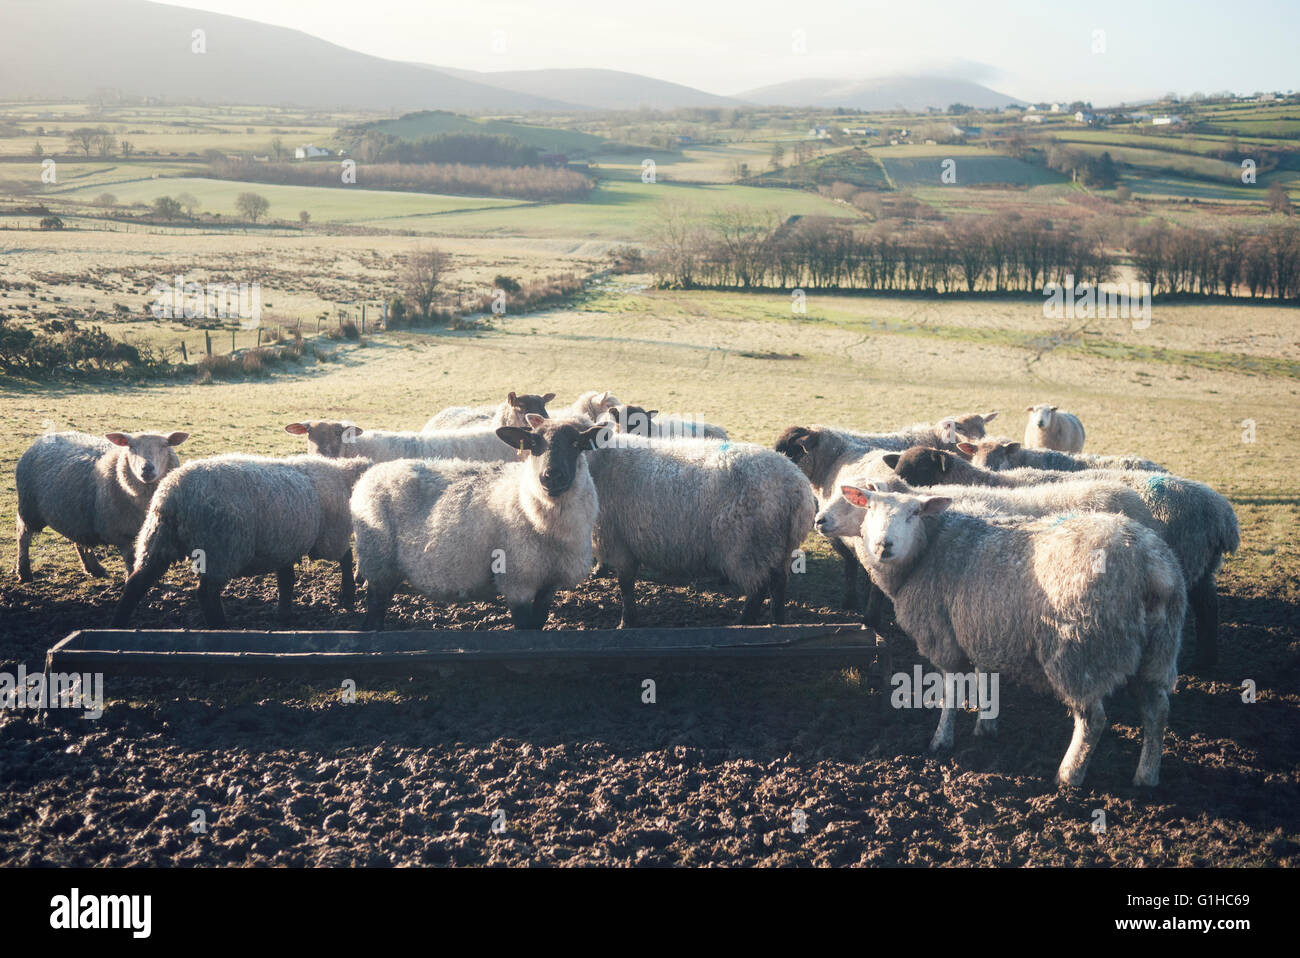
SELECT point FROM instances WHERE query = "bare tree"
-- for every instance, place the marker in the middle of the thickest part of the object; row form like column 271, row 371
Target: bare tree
column 189, row 202
column 421, row 277
column 83, row 138
column 252, row 206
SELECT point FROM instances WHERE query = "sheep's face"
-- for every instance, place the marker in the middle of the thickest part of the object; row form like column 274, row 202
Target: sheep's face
column 554, row 450
column 991, row 455
column 633, row 420
column 1040, row 416
column 840, row 519
column 149, row 455
column 921, row 466
column 326, row 437
column 529, row 404
column 972, row 426
column 797, row 443
column 892, row 526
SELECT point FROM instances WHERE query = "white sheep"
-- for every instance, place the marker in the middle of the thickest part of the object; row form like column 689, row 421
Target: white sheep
column 700, row 506
column 1051, row 428
column 456, row 530
column 509, row 413
column 334, row 439
column 1201, row 525
column 638, row 421
column 590, row 405
column 92, row 490
column 1004, row 454
column 1081, row 605
column 232, row 515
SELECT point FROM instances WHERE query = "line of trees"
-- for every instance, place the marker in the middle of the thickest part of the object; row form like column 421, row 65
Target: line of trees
column 522, row 182
column 1222, row 261
column 745, row 248
column 486, row 149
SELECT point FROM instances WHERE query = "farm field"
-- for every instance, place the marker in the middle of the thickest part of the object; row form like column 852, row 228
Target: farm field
column 410, row 773
column 971, row 169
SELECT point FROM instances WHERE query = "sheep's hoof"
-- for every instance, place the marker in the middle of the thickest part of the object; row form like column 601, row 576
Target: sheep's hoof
column 940, row 744
column 1069, row 778
column 23, row 576
column 1141, row 781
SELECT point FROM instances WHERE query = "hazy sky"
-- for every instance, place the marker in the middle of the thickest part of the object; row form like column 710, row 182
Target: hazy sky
column 1033, row 50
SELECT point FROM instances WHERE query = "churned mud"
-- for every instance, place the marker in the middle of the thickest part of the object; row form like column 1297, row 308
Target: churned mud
column 769, row 767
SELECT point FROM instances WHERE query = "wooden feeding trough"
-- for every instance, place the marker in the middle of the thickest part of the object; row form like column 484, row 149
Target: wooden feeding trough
column 224, row 654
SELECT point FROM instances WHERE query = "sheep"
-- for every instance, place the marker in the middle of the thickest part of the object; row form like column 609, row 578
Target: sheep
column 1051, row 428
column 1079, row 605
column 91, row 490
column 509, row 413
column 697, row 506
column 334, row 480
column 821, row 452
column 1201, row 523
column 456, row 529
column 332, row 439
column 638, row 421
column 842, row 518
column 234, row 515
column 1005, row 454
column 590, row 405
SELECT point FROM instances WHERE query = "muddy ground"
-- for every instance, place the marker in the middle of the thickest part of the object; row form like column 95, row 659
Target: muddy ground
column 573, row 768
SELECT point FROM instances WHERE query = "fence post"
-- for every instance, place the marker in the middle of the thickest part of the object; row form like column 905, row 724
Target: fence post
column 259, row 337
column 207, row 339
column 232, row 340
column 185, row 357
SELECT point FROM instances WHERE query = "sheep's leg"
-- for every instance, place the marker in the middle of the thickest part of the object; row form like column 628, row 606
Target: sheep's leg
column 1088, row 726
column 1153, row 703
column 128, row 557
column 347, row 585
column 541, row 609
column 753, row 606
column 985, row 725
column 138, row 583
column 521, row 615
column 851, row 569
column 209, row 596
column 89, row 563
column 627, row 591
column 776, row 589
column 1204, row 601
column 284, row 583
column 877, row 605
column 943, row 734
column 377, row 602
column 23, row 565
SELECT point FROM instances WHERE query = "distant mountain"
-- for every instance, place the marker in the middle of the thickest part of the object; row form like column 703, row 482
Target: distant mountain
column 597, row 89
column 882, row 93
column 72, row 48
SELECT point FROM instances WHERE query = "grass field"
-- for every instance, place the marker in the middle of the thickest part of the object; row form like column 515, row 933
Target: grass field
column 971, row 169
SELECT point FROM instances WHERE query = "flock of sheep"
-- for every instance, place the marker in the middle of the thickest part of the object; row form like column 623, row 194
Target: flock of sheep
column 1067, row 571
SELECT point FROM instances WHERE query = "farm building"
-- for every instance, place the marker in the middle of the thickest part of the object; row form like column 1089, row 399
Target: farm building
column 309, row 152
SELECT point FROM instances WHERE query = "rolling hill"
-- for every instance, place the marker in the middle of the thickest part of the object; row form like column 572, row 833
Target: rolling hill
column 598, row 89
column 914, row 93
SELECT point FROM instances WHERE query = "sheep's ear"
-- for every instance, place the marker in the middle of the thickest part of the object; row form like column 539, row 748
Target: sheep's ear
column 858, row 497
column 1029, row 409
column 519, row 438
column 118, row 438
column 1052, row 408
column 296, row 429
column 176, row 438
column 990, row 417
column 933, row 505
column 534, row 420
column 350, row 432
column 594, row 438
column 966, row 449
column 547, row 398
column 1010, row 447
column 602, row 398
column 891, row 459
